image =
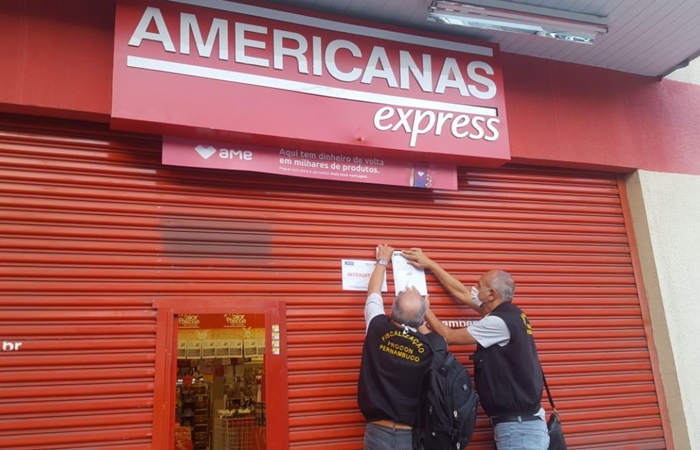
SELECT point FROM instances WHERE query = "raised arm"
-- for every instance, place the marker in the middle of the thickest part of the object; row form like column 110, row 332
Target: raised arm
column 452, row 336
column 374, row 305
column 417, row 258
column 376, row 279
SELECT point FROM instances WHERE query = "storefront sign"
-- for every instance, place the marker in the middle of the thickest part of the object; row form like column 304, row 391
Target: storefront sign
column 320, row 165
column 220, row 68
column 189, row 321
column 458, row 323
column 10, row 346
column 219, row 321
column 234, row 320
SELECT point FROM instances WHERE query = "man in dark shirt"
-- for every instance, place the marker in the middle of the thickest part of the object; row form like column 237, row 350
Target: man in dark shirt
column 395, row 356
column 507, row 370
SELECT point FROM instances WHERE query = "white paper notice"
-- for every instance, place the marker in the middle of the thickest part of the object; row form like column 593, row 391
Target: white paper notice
column 356, row 275
column 405, row 275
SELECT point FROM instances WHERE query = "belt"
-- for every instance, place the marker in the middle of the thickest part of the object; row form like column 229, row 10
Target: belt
column 512, row 418
column 393, row 425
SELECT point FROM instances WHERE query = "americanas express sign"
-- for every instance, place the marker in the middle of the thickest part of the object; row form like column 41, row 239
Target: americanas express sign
column 188, row 65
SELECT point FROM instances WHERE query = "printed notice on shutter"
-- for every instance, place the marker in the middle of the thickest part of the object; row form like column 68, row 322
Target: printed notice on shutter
column 405, row 275
column 356, row 275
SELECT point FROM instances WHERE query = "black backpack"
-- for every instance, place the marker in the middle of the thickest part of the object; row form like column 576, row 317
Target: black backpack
column 448, row 408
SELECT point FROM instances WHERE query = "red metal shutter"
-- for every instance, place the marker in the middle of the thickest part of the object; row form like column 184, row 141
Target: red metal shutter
column 561, row 234
column 83, row 376
column 94, row 228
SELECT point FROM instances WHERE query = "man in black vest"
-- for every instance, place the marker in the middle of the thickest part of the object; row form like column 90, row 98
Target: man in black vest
column 507, row 370
column 395, row 356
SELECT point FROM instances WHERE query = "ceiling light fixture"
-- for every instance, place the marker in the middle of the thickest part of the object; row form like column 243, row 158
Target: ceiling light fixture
column 569, row 27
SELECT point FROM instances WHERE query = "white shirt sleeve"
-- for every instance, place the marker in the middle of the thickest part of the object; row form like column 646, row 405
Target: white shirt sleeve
column 489, row 331
column 373, row 307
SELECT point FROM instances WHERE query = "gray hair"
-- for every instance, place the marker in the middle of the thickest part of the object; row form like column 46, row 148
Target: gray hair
column 407, row 311
column 502, row 282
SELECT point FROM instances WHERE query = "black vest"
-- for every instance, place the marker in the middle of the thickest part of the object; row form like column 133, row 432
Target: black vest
column 509, row 379
column 393, row 363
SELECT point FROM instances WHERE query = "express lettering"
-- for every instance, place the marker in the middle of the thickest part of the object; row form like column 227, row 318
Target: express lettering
column 417, row 122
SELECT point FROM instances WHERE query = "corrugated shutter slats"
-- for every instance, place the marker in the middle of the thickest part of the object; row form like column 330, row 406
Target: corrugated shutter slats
column 84, row 376
column 93, row 229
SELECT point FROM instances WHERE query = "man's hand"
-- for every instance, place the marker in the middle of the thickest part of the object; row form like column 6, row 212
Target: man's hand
column 384, row 252
column 417, row 258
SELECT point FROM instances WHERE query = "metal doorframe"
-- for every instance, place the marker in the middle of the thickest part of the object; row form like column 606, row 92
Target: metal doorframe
column 275, row 365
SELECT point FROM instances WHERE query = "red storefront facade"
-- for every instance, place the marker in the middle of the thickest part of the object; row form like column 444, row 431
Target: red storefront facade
column 105, row 245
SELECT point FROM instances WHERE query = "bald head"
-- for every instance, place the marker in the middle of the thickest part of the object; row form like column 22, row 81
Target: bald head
column 409, row 308
column 500, row 281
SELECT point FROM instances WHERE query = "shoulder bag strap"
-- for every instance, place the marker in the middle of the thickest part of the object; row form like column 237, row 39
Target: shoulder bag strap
column 549, row 394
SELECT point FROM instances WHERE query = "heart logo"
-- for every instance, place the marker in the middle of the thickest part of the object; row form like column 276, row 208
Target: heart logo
column 205, row 152
column 420, row 174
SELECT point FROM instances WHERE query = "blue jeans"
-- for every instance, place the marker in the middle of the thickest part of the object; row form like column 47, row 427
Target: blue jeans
column 530, row 435
column 383, row 438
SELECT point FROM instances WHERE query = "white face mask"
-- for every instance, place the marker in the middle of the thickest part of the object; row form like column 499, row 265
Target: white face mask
column 475, row 296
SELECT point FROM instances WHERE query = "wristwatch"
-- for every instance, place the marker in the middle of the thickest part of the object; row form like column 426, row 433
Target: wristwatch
column 383, row 262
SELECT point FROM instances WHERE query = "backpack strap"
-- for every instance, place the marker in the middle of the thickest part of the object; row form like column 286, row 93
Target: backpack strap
column 424, row 380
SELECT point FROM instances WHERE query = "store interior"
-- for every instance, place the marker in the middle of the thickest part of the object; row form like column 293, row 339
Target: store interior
column 219, row 395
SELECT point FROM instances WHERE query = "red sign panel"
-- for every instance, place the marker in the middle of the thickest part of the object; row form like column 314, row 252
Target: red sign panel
column 216, row 321
column 321, row 165
column 209, row 67
column 236, row 321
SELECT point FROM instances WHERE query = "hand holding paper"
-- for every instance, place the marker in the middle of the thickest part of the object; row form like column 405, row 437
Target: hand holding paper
column 406, row 275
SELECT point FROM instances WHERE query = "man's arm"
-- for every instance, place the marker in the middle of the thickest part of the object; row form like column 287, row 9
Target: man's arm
column 452, row 336
column 376, row 279
column 374, row 305
column 417, row 258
